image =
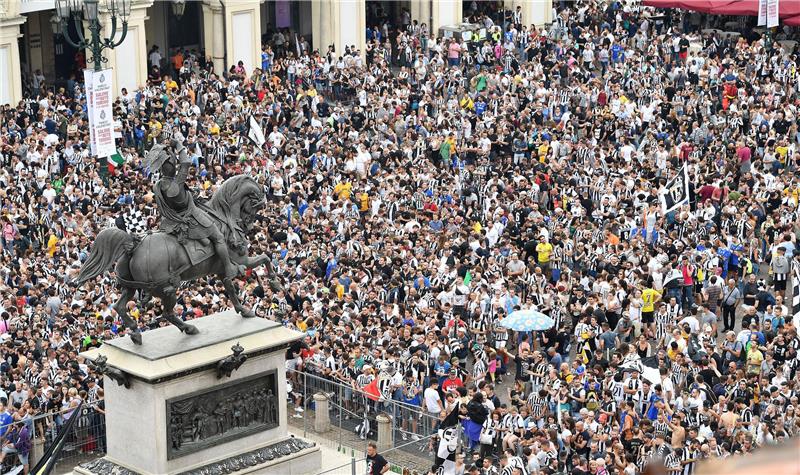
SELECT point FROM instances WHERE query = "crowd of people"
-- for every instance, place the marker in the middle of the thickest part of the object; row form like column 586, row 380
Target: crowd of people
column 421, row 191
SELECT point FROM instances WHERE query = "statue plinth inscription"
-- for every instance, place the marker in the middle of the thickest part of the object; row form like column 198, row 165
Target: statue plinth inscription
column 227, row 412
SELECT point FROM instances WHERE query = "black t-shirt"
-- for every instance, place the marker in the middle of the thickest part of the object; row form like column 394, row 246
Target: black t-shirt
column 375, row 464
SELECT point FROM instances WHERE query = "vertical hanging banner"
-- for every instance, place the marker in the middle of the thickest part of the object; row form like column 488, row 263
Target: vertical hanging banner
column 88, row 77
column 103, row 113
column 773, row 9
column 762, row 12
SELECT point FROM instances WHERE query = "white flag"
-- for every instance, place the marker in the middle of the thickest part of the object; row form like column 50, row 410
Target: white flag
column 256, row 134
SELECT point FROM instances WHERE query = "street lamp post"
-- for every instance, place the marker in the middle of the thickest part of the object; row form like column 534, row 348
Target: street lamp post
column 70, row 10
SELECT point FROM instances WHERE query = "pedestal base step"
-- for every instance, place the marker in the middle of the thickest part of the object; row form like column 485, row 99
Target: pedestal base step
column 292, row 456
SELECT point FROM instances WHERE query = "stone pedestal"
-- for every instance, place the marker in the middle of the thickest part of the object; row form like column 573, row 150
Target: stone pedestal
column 322, row 416
column 384, row 432
column 180, row 415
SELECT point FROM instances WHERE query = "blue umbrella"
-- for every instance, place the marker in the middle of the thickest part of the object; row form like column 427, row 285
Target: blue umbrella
column 527, row 321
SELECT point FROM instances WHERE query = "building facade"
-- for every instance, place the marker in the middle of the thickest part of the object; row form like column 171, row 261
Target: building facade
column 225, row 31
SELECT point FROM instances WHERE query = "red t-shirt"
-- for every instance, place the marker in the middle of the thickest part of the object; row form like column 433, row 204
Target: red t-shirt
column 451, row 383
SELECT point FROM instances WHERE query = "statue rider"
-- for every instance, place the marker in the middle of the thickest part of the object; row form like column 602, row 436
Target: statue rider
column 180, row 216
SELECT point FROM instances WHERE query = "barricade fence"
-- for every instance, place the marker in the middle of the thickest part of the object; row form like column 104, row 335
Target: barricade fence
column 342, row 417
column 405, row 433
column 85, row 441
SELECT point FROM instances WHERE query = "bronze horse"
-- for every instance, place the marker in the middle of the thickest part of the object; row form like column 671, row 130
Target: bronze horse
column 158, row 263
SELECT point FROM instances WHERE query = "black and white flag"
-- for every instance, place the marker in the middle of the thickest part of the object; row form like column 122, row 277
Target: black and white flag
column 676, row 192
column 135, row 222
column 256, row 133
column 445, row 462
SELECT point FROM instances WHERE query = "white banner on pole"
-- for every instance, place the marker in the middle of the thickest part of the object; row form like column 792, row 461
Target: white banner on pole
column 773, row 9
column 103, row 114
column 88, row 78
column 762, row 12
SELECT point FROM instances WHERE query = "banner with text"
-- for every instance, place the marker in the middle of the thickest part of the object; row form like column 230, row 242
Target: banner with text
column 88, row 75
column 762, row 12
column 773, row 9
column 101, row 116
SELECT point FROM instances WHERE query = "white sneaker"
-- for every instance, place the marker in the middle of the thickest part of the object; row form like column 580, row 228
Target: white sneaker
column 415, row 437
column 297, row 416
column 405, row 436
column 299, row 409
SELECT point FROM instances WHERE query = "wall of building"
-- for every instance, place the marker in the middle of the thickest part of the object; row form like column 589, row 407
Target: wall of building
column 155, row 26
column 230, row 30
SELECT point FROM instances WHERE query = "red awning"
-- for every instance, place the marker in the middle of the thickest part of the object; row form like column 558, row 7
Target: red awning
column 704, row 6
column 787, row 9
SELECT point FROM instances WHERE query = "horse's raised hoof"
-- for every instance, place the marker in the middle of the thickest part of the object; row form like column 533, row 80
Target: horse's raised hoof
column 136, row 337
column 190, row 330
column 247, row 313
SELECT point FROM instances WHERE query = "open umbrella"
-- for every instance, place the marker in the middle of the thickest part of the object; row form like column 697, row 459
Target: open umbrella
column 527, row 321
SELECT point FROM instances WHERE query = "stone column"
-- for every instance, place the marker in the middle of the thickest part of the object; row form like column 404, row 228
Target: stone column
column 128, row 60
column 321, row 24
column 349, row 25
column 339, row 23
column 214, row 33
column 446, row 13
column 384, row 432
column 322, row 416
column 421, row 11
column 242, row 19
column 10, row 76
column 536, row 12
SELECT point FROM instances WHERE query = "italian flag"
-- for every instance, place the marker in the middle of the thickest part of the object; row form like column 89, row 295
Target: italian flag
column 115, row 161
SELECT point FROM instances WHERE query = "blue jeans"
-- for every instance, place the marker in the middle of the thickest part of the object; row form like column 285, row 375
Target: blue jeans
column 688, row 297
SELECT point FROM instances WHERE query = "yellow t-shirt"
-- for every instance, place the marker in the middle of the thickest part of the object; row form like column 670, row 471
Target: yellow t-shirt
column 754, row 359
column 544, row 249
column 343, row 190
column 782, row 151
column 543, row 149
column 52, row 244
column 792, row 193
column 649, row 298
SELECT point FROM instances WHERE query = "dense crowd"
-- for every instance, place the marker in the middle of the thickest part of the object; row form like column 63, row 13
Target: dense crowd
column 424, row 189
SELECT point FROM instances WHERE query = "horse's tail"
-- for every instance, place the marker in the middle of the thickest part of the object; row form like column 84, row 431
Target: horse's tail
column 111, row 244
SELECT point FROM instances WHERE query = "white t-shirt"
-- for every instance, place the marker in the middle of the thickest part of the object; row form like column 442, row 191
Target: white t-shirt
column 155, row 58
column 432, row 400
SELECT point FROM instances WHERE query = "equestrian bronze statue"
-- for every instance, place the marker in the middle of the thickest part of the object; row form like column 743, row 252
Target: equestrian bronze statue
column 195, row 239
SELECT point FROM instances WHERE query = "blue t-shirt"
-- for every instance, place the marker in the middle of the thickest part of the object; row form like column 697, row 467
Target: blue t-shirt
column 615, row 52
column 443, row 368
column 5, row 422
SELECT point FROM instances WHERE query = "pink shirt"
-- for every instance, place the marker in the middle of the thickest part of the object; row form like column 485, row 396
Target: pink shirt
column 8, row 231
column 744, row 154
column 454, row 50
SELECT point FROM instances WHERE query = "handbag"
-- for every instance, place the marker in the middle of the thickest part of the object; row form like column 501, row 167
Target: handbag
column 485, row 438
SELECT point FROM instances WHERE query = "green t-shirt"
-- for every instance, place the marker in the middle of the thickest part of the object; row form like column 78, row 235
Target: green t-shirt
column 480, row 84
